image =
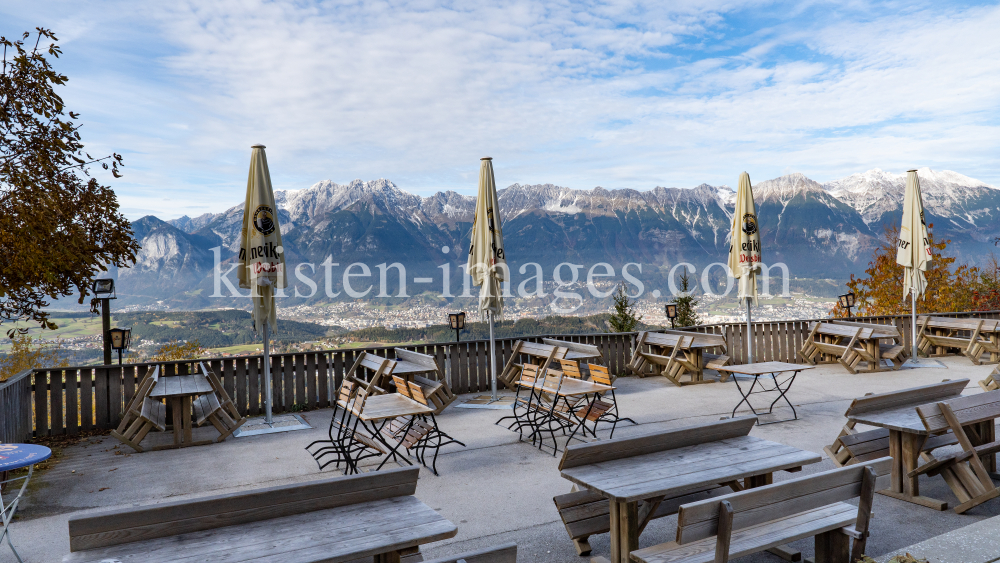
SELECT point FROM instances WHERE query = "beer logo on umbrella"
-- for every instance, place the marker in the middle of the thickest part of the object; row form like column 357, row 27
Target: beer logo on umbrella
column 749, row 223
column 263, row 220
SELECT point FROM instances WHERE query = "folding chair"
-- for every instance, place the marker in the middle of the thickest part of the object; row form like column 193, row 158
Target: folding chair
column 604, row 410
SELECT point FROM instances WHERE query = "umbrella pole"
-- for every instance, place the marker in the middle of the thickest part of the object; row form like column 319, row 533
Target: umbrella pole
column 913, row 319
column 749, row 335
column 267, row 377
column 493, row 360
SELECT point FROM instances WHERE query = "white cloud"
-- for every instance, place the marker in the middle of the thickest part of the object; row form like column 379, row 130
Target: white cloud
column 555, row 91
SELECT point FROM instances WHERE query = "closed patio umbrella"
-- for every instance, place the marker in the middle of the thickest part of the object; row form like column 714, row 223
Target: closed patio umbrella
column 913, row 252
column 744, row 250
column 487, row 261
column 262, row 257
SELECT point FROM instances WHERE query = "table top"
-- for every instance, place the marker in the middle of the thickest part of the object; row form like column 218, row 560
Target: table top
column 570, row 387
column 391, row 405
column 181, row 386
column 346, row 533
column 764, row 367
column 904, row 419
column 16, row 456
column 409, row 368
column 688, row 469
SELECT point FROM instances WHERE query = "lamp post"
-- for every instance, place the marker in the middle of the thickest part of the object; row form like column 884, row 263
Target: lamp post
column 847, row 302
column 671, row 310
column 104, row 289
column 457, row 324
column 120, row 340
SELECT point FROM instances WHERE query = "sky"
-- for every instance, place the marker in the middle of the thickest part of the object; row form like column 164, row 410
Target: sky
column 616, row 94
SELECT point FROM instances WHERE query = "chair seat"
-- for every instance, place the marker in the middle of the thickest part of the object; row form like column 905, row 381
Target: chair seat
column 204, row 407
column 756, row 538
column 154, row 412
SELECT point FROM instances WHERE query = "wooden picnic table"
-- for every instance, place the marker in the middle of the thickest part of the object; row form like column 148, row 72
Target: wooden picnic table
column 772, row 369
column 907, row 435
column 646, row 469
column 423, row 370
column 180, row 390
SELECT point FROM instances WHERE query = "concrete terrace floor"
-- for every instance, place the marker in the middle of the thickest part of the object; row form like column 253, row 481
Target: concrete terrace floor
column 496, row 489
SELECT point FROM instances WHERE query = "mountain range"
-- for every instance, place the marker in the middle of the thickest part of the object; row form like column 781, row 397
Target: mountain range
column 818, row 230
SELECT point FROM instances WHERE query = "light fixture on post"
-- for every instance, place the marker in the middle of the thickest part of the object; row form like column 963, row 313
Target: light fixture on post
column 457, row 324
column 847, row 302
column 120, row 340
column 104, row 289
column 671, row 310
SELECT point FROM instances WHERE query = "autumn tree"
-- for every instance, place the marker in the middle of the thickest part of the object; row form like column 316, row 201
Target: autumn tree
column 175, row 350
column 686, row 315
column 59, row 227
column 880, row 291
column 623, row 316
column 27, row 352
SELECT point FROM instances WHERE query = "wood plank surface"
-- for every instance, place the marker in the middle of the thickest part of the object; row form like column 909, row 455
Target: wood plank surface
column 607, row 450
column 401, row 522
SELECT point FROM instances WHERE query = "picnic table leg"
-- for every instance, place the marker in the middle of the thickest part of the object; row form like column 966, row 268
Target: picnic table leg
column 391, row 557
column 624, row 530
column 186, row 418
column 904, row 448
column 177, row 408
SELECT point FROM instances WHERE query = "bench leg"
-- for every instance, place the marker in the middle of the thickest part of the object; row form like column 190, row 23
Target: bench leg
column 582, row 546
column 391, row 557
column 833, row 547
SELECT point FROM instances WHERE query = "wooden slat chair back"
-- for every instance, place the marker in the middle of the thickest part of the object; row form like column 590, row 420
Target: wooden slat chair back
column 142, row 415
column 848, row 355
column 544, row 354
column 218, row 408
column 970, row 419
column 506, row 553
column 380, row 368
column 571, row 368
column 751, row 521
column 227, row 515
column 436, row 389
column 973, row 345
column 402, row 386
column 600, row 374
column 872, row 444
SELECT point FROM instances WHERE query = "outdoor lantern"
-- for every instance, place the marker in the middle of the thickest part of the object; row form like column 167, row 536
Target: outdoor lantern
column 457, row 323
column 104, row 288
column 671, row 310
column 120, row 340
column 847, row 302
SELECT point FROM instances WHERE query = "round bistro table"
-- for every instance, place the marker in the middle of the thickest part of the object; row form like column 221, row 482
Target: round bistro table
column 17, row 456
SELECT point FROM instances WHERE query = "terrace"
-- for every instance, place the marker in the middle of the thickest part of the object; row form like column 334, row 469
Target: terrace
column 497, row 489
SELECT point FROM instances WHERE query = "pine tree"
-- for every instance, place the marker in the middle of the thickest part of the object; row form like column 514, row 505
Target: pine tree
column 623, row 318
column 686, row 315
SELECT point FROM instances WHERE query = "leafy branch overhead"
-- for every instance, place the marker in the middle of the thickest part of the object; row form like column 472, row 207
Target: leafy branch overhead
column 60, row 227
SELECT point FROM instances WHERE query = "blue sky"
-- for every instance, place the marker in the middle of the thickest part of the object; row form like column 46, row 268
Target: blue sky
column 617, row 94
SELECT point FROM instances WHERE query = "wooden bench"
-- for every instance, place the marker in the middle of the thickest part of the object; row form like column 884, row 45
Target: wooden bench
column 304, row 522
column 506, row 553
column 217, row 408
column 893, row 351
column 142, row 414
column 970, row 419
column 409, row 364
column 972, row 337
column 586, row 513
column 852, row 446
column 751, row 521
column 687, row 355
column 992, row 381
column 381, row 370
column 543, row 355
column 829, row 338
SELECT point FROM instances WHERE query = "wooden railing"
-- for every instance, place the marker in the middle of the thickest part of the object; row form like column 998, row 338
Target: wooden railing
column 74, row 399
column 15, row 408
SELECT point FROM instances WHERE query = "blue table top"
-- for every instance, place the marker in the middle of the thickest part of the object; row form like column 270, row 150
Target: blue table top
column 16, row 456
